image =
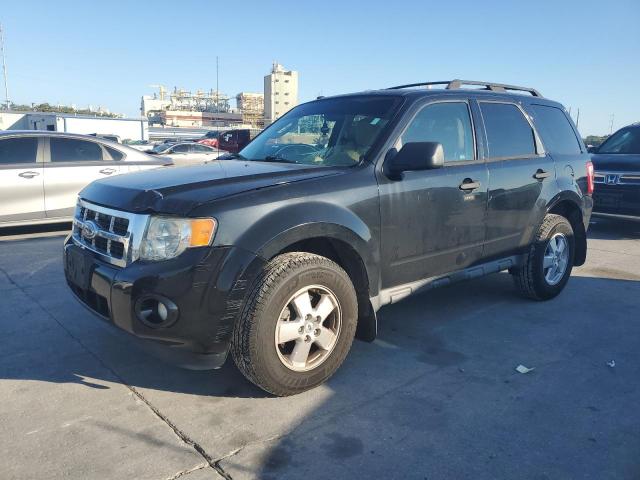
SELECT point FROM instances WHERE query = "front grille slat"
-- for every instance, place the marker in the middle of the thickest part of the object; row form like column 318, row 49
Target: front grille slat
column 111, row 236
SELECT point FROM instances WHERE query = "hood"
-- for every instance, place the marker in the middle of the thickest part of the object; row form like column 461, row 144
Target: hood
column 178, row 190
column 616, row 162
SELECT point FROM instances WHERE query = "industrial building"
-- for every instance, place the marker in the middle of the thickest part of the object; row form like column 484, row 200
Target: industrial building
column 280, row 92
column 125, row 128
column 182, row 108
column 251, row 107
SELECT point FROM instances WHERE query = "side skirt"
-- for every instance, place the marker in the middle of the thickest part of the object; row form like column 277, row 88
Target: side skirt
column 397, row 293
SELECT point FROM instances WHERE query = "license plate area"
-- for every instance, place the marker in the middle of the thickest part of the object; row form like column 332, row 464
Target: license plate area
column 607, row 200
column 79, row 267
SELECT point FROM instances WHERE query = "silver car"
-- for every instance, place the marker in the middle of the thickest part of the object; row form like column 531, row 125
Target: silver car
column 186, row 153
column 41, row 173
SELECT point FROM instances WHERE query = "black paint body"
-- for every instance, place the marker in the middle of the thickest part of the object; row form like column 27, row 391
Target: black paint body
column 394, row 231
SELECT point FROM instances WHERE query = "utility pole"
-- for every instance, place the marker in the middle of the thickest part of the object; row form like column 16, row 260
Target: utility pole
column 217, row 88
column 4, row 69
column 613, row 115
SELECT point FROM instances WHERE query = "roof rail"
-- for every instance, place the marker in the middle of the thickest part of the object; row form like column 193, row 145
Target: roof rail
column 458, row 84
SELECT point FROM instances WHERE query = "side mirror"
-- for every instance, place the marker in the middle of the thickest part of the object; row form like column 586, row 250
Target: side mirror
column 592, row 149
column 414, row 156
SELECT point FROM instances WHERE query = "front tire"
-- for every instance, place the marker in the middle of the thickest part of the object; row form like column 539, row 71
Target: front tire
column 549, row 262
column 297, row 325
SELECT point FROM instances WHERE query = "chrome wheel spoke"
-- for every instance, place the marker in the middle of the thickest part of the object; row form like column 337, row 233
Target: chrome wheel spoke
column 288, row 331
column 300, row 353
column 548, row 261
column 326, row 339
column 324, row 307
column 302, row 304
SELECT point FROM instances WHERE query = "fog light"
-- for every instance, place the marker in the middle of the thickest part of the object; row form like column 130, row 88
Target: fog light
column 156, row 311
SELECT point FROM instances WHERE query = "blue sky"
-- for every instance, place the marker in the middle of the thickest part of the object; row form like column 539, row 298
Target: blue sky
column 583, row 54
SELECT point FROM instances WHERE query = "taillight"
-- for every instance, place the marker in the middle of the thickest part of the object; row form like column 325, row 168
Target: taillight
column 590, row 183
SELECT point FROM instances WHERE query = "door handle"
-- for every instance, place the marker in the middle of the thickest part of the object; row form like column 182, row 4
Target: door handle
column 469, row 184
column 28, row 174
column 541, row 174
column 108, row 171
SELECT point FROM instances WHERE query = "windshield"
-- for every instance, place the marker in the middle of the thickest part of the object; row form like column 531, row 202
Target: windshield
column 626, row 140
column 161, row 148
column 332, row 132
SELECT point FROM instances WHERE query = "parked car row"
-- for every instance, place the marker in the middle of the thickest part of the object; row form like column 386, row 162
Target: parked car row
column 41, row 173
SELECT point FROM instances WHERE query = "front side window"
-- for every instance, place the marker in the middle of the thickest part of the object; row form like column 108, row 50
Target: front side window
column 626, row 140
column 447, row 123
column 557, row 133
column 508, row 132
column 330, row 132
column 18, row 150
column 73, row 150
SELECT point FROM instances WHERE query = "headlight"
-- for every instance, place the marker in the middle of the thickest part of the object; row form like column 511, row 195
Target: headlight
column 168, row 237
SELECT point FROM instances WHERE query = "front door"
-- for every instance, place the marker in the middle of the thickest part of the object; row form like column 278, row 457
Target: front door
column 21, row 179
column 433, row 220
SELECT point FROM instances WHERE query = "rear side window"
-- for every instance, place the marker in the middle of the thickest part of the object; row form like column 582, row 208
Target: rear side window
column 508, row 132
column 18, row 150
column 200, row 148
column 72, row 150
column 180, row 149
column 557, row 133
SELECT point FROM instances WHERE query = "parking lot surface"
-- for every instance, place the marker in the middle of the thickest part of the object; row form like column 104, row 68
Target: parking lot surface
column 437, row 395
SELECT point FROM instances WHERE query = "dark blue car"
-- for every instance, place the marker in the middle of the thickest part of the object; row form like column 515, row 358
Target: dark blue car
column 617, row 175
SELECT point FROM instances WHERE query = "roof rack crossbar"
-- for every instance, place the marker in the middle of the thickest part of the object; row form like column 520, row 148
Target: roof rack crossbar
column 458, row 84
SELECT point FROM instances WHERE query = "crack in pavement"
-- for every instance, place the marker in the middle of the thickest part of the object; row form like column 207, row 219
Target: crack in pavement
column 181, row 473
column 179, row 433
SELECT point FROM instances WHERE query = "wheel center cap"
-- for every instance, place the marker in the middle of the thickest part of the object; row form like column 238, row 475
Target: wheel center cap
column 309, row 327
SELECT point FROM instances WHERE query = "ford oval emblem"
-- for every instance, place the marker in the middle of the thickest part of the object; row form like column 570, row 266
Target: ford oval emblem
column 89, row 230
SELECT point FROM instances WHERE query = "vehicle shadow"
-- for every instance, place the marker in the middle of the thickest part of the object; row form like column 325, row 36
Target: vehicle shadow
column 608, row 229
column 437, row 396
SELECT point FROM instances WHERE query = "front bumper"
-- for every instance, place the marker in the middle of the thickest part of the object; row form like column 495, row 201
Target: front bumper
column 207, row 285
column 616, row 200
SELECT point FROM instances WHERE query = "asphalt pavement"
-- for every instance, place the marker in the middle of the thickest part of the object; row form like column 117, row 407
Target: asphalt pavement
column 436, row 396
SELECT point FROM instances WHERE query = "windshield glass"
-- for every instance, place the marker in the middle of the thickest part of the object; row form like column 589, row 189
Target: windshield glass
column 332, row 132
column 626, row 140
column 161, row 148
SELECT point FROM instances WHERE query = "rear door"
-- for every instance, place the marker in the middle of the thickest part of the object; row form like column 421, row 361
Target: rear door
column 70, row 165
column 433, row 220
column 21, row 179
column 522, row 177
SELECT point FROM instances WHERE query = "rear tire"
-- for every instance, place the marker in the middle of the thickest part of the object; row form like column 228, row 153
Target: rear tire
column 297, row 325
column 549, row 262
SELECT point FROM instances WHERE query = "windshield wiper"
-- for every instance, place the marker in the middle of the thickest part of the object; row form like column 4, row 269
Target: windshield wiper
column 277, row 158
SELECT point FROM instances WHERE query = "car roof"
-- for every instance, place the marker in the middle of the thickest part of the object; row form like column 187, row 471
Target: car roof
column 418, row 92
column 47, row 133
column 92, row 138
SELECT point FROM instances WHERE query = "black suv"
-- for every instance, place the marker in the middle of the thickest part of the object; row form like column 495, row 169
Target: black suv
column 285, row 252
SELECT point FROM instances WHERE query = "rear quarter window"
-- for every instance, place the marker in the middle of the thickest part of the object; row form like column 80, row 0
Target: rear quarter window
column 556, row 131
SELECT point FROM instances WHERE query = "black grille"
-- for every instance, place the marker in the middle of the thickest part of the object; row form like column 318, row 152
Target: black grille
column 120, row 226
